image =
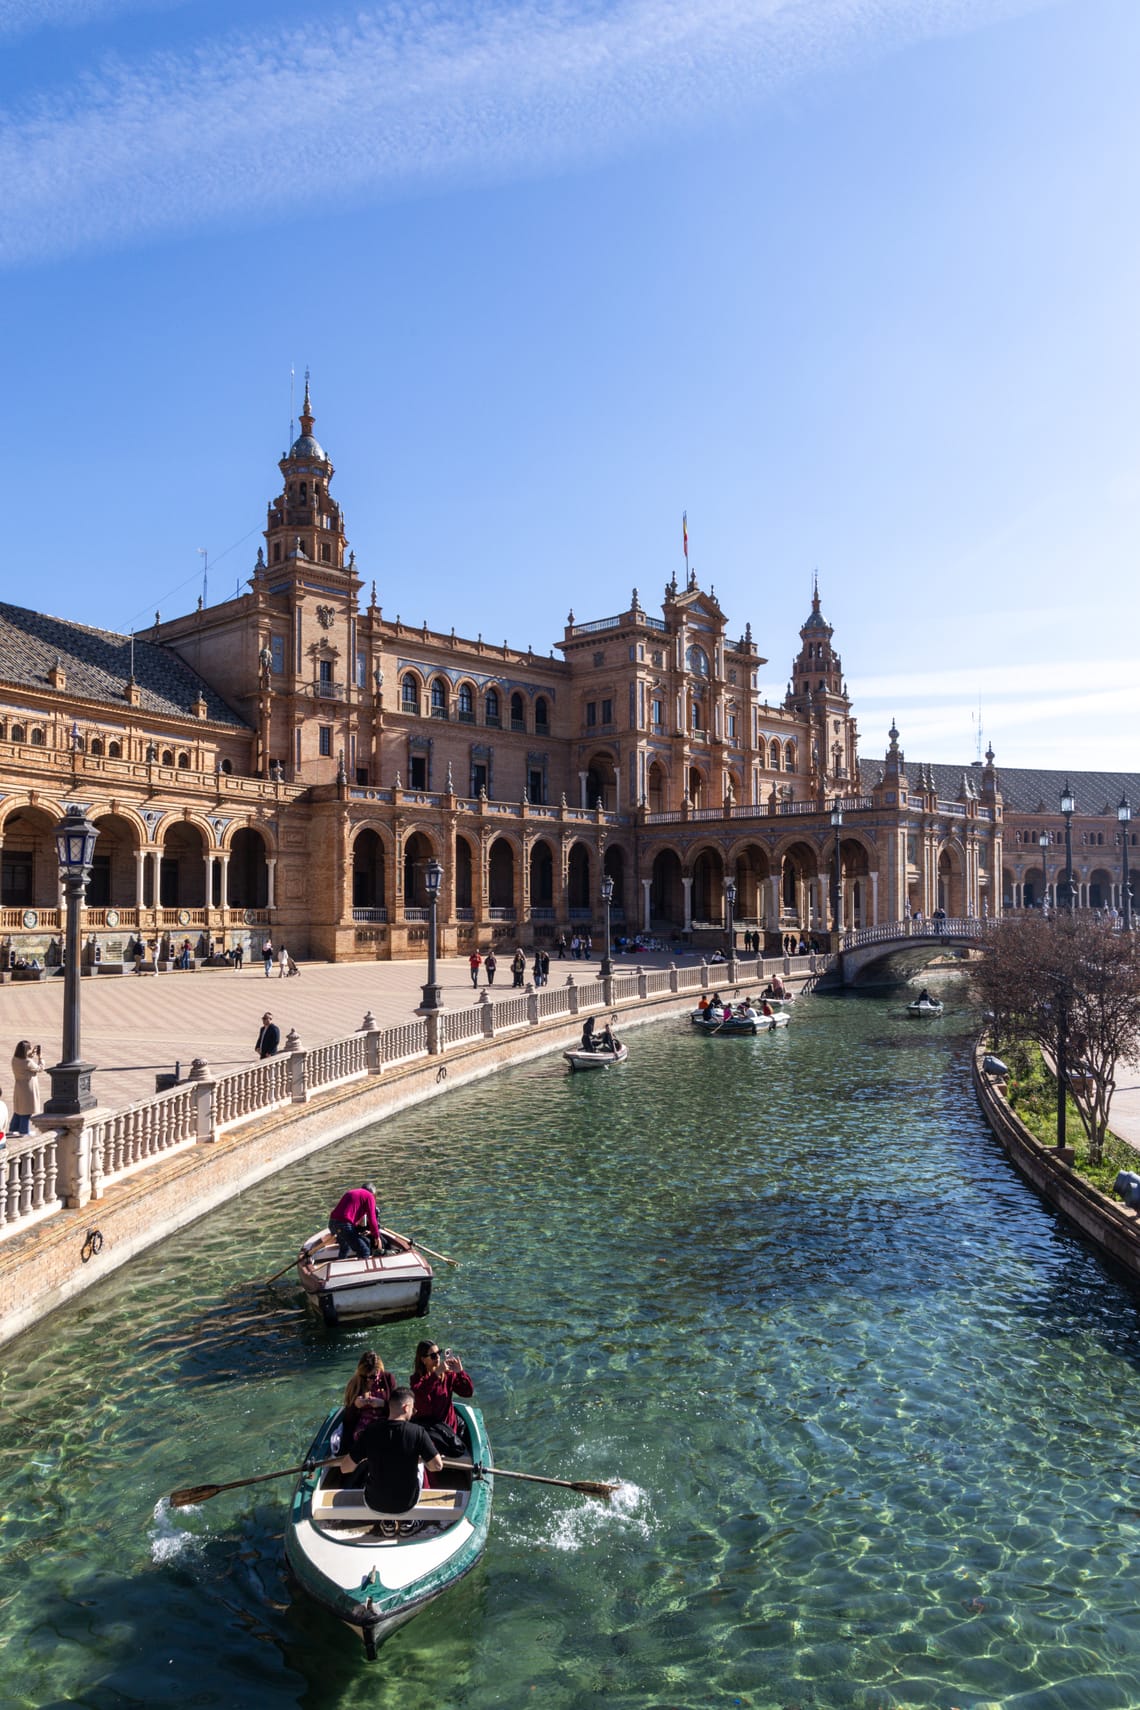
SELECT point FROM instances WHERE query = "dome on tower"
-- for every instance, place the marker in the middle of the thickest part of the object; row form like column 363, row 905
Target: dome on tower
column 309, row 449
column 816, row 619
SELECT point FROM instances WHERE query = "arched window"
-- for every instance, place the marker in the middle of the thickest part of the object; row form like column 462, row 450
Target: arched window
column 226, row 766
column 410, row 694
column 438, row 697
column 541, row 715
column 466, row 704
column 698, row 716
column 38, row 738
column 518, row 719
column 789, row 757
column 774, row 756
column 96, row 745
column 184, row 762
column 168, row 757
column 491, row 713
column 698, row 661
column 115, row 750
column 19, row 734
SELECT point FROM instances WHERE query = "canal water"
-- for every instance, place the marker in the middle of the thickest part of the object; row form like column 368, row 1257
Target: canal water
column 874, row 1407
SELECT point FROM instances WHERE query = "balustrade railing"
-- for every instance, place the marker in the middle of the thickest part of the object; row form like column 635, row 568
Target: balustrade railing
column 29, row 1180
column 120, row 1143
column 511, row 1012
column 397, row 1044
column 968, row 926
column 340, row 1060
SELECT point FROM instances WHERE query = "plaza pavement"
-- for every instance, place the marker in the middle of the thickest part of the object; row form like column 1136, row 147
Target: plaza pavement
column 136, row 1026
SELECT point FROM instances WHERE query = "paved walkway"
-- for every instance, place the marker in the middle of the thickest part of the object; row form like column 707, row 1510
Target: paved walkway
column 139, row 1025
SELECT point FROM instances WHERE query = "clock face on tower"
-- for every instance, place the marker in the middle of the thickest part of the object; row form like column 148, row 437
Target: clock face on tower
column 698, row 661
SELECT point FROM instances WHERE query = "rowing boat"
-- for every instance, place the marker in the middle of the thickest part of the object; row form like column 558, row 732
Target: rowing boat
column 389, row 1286
column 375, row 1571
column 924, row 1006
column 731, row 1025
column 579, row 1059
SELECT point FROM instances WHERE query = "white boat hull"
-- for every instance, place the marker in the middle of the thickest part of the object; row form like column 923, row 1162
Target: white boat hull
column 596, row 1059
column 394, row 1286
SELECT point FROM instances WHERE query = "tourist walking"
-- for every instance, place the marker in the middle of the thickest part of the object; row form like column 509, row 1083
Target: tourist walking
column 239, row 953
column 282, row 962
column 475, row 962
column 561, row 947
column 536, row 968
column 267, row 955
column 545, row 961
column 490, row 967
column 27, row 1101
column 269, row 1039
column 518, row 967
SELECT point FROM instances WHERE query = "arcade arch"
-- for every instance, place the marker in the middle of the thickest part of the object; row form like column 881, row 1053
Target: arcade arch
column 541, row 876
column 30, row 877
column 501, row 875
column 368, row 869
column 666, row 892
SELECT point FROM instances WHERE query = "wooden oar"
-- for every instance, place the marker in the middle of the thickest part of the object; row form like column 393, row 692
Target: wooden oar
column 430, row 1251
column 281, row 1272
column 193, row 1494
column 587, row 1486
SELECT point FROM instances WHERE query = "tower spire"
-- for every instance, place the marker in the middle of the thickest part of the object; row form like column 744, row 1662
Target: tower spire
column 307, row 417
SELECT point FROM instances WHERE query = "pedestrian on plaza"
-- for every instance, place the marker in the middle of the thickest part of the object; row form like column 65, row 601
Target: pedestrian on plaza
column 267, row 955
column 153, row 948
column 282, row 962
column 184, row 958
column 239, row 953
column 490, row 967
column 536, row 968
column 475, row 962
column 561, row 947
column 27, row 1066
column 588, row 948
column 544, row 958
column 269, row 1039
column 518, row 967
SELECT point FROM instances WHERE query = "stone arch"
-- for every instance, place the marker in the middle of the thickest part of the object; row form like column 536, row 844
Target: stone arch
column 369, row 869
column 613, row 867
column 247, row 875
column 30, row 877
column 419, row 849
column 708, row 886
column 697, row 786
column 465, row 870
column 601, row 781
column 114, row 879
column 657, row 782
column 579, row 882
column 773, row 756
column 751, row 869
column 856, row 866
column 950, row 892
column 182, row 864
column 501, row 874
column 789, row 757
column 541, row 715
column 1101, row 891
column 666, row 892
column 541, row 874
column 799, row 872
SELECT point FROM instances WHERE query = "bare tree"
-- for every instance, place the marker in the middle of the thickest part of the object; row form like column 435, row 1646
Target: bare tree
column 1072, row 984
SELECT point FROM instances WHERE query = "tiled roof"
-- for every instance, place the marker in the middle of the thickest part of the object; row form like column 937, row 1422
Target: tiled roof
column 1027, row 789
column 98, row 664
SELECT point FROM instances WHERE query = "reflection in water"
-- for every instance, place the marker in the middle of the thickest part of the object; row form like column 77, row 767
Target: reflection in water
column 864, row 1392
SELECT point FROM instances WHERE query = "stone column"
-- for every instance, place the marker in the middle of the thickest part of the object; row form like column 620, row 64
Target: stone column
column 209, row 879
column 583, row 786
column 687, row 887
column 271, row 881
column 646, row 888
column 874, row 921
column 225, row 890
column 617, row 789
column 774, row 881
column 140, row 883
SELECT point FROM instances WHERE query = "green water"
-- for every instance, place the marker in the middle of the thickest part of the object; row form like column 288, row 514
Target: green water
column 870, row 1399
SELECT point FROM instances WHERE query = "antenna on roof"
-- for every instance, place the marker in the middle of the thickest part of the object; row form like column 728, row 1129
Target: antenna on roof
column 292, row 379
column 132, row 656
column 976, row 718
column 204, row 555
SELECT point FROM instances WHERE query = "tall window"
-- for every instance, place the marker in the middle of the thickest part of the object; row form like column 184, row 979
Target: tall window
column 774, row 756
column 518, row 720
column 410, row 694
column 466, row 704
column 541, row 714
column 325, row 739
column 492, row 711
column 438, row 698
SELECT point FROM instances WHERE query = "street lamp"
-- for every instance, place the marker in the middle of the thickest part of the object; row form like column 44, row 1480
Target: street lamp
column 71, row 1091
column 730, row 904
column 1124, row 815
column 1068, row 808
column 607, row 966
column 433, row 879
column 1043, row 841
column 837, row 876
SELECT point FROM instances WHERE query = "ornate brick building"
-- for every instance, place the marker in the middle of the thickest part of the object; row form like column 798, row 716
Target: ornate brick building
column 289, row 760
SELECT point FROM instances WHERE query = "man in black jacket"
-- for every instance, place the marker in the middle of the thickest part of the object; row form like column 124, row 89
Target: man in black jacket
column 269, row 1039
column 393, row 1449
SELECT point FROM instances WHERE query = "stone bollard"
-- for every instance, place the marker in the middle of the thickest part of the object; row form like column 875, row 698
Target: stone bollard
column 372, row 1043
column 673, row 985
column 705, row 975
column 73, row 1157
column 202, row 1077
column 573, row 990
column 642, row 984
column 298, row 1061
column 488, row 1009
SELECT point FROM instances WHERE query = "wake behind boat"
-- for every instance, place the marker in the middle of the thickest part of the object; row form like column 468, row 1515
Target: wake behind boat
column 391, row 1285
column 375, row 1571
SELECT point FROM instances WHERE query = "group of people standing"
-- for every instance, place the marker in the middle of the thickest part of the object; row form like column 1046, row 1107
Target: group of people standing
column 540, row 967
column 581, row 947
column 285, row 962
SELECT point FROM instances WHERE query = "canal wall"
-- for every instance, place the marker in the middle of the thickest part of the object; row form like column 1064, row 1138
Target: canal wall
column 1113, row 1228
column 80, row 1204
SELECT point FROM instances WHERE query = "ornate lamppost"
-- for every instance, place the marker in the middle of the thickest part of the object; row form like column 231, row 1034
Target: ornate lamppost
column 729, row 907
column 607, row 966
column 837, row 876
column 1043, row 844
column 1068, row 808
column 433, row 879
column 1124, row 816
column 71, row 1091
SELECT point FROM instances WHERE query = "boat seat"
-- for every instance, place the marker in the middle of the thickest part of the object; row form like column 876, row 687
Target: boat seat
column 349, row 1506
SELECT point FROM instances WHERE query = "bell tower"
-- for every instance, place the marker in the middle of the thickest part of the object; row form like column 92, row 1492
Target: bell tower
column 304, row 523
column 817, row 690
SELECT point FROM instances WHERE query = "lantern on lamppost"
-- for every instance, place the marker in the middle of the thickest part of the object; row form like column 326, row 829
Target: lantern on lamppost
column 1068, row 808
column 71, row 1092
column 729, row 909
column 1043, row 844
column 433, row 879
column 1124, row 817
column 837, row 875
column 607, row 966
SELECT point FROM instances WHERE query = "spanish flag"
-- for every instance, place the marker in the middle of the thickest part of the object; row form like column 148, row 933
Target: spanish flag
column 685, row 533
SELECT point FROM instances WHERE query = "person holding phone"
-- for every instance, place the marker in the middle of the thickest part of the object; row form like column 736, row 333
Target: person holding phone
column 438, row 1376
column 27, row 1101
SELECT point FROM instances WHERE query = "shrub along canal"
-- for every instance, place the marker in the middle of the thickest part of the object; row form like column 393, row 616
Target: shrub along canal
column 873, row 1403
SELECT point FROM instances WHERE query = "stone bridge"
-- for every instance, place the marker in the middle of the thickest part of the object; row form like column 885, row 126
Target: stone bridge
column 890, row 953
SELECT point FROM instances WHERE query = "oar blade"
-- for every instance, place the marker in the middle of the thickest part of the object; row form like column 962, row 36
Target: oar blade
column 595, row 1487
column 192, row 1495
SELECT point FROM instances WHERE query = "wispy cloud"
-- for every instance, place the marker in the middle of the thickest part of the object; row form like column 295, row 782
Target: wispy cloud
column 383, row 99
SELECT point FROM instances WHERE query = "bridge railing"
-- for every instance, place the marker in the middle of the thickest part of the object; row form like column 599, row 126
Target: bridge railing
column 890, row 931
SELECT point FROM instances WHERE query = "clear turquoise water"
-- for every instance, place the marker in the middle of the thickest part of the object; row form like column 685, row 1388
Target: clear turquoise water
column 871, row 1401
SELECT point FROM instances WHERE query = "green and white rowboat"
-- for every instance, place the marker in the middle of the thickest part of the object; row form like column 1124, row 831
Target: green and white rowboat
column 374, row 1571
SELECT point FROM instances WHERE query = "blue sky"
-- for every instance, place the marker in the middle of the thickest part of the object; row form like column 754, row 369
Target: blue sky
column 853, row 282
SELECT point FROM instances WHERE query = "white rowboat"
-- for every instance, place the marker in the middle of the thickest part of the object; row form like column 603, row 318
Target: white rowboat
column 393, row 1285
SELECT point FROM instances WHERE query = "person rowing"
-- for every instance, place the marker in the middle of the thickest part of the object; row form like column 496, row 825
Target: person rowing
column 354, row 1222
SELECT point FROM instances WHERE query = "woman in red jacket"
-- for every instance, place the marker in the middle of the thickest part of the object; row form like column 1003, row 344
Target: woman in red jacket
column 435, row 1380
